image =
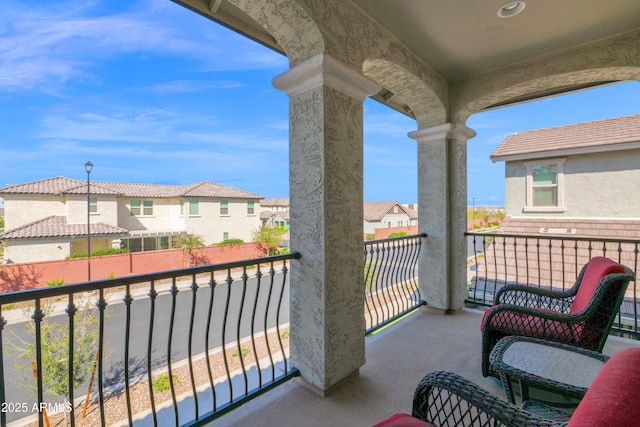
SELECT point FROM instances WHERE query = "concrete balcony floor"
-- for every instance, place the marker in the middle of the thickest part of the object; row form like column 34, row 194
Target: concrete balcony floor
column 397, row 358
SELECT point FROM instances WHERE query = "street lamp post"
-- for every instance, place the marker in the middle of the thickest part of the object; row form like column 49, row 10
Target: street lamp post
column 88, row 167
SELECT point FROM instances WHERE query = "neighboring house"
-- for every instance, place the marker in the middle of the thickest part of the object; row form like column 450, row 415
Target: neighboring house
column 569, row 176
column 389, row 214
column 47, row 219
column 573, row 181
column 275, row 212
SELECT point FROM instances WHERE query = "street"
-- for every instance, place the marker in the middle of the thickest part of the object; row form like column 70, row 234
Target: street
column 115, row 329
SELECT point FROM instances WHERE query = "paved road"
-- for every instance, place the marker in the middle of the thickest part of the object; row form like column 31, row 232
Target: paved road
column 115, row 327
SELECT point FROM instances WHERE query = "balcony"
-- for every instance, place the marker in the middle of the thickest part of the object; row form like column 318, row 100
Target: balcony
column 226, row 328
column 397, row 358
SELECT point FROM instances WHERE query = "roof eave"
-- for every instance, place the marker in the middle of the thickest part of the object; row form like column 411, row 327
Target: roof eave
column 567, row 152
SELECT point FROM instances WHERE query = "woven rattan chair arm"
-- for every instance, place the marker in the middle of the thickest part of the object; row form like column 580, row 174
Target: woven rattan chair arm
column 445, row 398
column 569, row 318
column 563, row 297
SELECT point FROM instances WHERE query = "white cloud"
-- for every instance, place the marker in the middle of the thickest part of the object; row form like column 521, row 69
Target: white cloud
column 40, row 46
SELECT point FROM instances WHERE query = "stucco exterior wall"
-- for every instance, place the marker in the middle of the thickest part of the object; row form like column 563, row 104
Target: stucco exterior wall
column 36, row 250
column 76, row 210
column 211, row 225
column 595, row 186
column 22, row 209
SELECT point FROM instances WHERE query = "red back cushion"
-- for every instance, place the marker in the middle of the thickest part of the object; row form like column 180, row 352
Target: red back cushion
column 402, row 420
column 612, row 399
column 596, row 269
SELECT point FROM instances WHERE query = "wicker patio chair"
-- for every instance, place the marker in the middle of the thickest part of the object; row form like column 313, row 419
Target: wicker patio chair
column 581, row 316
column 445, row 399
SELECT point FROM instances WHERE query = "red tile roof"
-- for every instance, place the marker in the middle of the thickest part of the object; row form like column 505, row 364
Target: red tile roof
column 375, row 211
column 609, row 133
column 57, row 226
column 61, row 185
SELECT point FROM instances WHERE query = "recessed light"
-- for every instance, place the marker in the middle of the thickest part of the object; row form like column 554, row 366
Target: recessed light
column 510, row 9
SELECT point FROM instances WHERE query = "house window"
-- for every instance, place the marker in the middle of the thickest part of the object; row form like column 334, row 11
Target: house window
column 194, row 208
column 545, row 192
column 250, row 208
column 224, row 207
column 141, row 207
column 93, row 205
column 225, row 235
column 181, row 207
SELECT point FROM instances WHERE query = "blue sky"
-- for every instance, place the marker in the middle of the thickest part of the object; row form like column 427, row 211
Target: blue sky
column 151, row 92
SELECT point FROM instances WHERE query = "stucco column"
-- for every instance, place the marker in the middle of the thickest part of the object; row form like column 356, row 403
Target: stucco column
column 442, row 210
column 326, row 193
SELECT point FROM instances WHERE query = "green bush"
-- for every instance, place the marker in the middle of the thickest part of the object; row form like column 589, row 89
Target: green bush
column 77, row 255
column 398, row 234
column 109, row 251
column 99, row 252
column 231, row 242
column 244, row 349
column 56, row 282
column 161, row 383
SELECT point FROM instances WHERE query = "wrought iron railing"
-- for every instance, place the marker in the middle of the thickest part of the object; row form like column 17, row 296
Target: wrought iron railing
column 187, row 345
column 548, row 262
column 391, row 284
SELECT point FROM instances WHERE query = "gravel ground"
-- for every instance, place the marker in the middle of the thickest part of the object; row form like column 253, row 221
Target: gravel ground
column 115, row 407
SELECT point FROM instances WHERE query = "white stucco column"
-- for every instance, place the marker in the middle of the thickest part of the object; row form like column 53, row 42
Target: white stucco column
column 442, row 210
column 326, row 194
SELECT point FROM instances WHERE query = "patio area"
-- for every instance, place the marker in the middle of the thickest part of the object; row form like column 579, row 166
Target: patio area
column 396, row 359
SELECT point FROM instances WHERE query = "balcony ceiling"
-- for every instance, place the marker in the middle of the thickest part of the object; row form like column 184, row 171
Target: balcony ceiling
column 466, row 38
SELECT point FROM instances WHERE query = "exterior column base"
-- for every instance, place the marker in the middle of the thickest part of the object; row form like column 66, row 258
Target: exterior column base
column 328, row 392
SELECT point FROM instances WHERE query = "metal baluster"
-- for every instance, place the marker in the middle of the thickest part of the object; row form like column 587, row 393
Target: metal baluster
column 3, row 397
column 37, row 317
column 194, row 290
column 272, row 274
column 238, row 327
column 224, row 335
column 152, row 311
column 253, row 319
column 127, row 335
column 212, row 289
column 102, row 304
column 174, row 294
column 71, row 311
column 278, row 309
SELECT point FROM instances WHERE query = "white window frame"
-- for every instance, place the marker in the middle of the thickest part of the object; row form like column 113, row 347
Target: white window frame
column 196, row 203
column 560, row 206
column 93, row 205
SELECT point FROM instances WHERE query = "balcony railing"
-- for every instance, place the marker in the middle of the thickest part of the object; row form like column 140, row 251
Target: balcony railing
column 547, row 262
column 187, row 345
column 391, row 284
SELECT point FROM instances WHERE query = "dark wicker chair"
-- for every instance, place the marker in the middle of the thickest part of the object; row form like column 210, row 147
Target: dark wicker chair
column 445, row 399
column 581, row 316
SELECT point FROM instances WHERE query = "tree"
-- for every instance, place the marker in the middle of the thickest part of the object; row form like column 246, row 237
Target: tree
column 54, row 349
column 271, row 237
column 189, row 244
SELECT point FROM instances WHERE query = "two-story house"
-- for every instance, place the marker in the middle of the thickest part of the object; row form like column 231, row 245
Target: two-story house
column 579, row 179
column 47, row 219
column 389, row 214
column 275, row 212
column 568, row 190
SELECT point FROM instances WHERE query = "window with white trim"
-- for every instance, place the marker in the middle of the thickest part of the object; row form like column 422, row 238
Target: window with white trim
column 194, row 208
column 141, row 207
column 224, row 207
column 545, row 186
column 250, row 207
column 93, row 205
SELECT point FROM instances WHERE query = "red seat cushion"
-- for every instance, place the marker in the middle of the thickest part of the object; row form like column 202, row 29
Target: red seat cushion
column 597, row 268
column 402, row 420
column 612, row 399
column 512, row 323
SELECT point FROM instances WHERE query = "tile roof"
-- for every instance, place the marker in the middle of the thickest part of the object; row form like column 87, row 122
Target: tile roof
column 607, row 133
column 57, row 226
column 61, row 185
column 275, row 201
column 593, row 228
column 375, row 211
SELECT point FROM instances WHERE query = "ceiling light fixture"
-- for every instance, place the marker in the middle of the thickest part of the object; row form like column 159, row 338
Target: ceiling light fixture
column 510, row 9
